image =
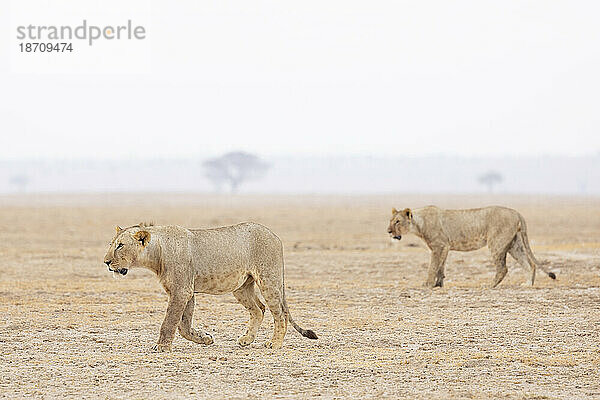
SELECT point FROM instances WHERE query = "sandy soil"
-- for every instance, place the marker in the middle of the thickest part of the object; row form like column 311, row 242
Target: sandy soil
column 68, row 329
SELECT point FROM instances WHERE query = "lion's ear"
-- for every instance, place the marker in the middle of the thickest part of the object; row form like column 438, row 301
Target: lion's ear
column 118, row 229
column 143, row 237
column 394, row 211
column 407, row 212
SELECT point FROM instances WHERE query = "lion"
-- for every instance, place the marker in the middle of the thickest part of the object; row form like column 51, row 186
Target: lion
column 502, row 229
column 231, row 259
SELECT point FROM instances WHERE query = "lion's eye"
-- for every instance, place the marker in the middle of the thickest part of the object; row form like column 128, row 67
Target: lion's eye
column 119, row 246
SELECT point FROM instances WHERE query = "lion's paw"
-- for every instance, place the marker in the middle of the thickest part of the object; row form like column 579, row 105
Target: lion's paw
column 201, row 338
column 270, row 345
column 160, row 348
column 245, row 340
column 207, row 339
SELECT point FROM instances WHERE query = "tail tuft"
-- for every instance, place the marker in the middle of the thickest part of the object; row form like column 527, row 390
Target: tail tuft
column 552, row 275
column 309, row 334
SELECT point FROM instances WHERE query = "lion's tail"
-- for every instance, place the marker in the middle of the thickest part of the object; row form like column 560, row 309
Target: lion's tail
column 532, row 260
column 304, row 332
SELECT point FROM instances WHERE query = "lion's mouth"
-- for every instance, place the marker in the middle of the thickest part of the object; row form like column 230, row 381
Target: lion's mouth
column 122, row 271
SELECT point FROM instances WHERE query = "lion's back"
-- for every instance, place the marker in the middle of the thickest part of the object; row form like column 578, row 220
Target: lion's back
column 502, row 217
column 246, row 242
column 470, row 229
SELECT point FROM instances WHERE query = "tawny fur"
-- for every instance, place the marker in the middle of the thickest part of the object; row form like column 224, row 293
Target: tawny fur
column 502, row 229
column 232, row 259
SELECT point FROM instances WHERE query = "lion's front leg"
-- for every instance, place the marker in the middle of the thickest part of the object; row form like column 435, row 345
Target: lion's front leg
column 435, row 274
column 177, row 304
column 185, row 326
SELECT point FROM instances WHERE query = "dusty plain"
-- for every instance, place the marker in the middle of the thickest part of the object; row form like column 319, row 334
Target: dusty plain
column 68, row 329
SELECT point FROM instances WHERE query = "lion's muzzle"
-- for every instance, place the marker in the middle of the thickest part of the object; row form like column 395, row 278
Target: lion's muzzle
column 122, row 271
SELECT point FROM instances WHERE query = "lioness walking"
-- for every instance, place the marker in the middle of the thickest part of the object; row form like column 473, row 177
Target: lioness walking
column 501, row 229
column 230, row 259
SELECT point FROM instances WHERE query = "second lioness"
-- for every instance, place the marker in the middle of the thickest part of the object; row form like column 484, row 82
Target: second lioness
column 231, row 259
column 502, row 229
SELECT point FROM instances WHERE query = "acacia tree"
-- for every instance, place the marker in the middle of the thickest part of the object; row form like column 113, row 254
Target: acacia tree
column 490, row 179
column 233, row 169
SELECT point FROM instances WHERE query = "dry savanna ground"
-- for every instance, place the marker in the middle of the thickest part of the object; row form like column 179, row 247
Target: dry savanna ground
column 69, row 329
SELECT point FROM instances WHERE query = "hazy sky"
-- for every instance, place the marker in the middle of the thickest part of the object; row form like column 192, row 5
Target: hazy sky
column 310, row 77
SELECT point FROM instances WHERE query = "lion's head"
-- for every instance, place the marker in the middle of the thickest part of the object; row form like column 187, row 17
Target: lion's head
column 400, row 223
column 125, row 248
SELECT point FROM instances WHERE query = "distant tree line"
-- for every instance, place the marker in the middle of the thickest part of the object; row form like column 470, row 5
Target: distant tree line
column 231, row 170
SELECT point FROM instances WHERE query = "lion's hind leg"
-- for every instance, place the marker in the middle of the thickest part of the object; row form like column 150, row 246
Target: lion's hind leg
column 271, row 289
column 247, row 297
column 185, row 326
column 517, row 251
